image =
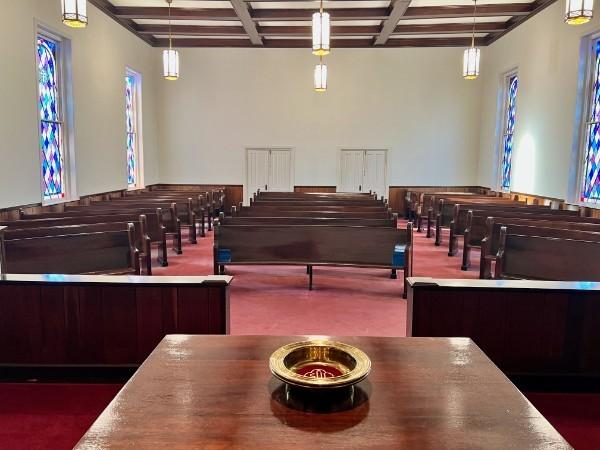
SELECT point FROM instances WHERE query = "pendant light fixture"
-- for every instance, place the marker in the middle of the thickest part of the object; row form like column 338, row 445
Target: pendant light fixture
column 579, row 11
column 320, row 76
column 74, row 13
column 320, row 32
column 472, row 55
column 170, row 56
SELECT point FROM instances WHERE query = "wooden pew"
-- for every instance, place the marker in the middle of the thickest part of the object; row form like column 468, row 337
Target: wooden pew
column 109, row 252
column 152, row 228
column 2, row 250
column 245, row 211
column 445, row 218
column 460, row 217
column 542, row 329
column 389, row 223
column 141, row 242
column 335, row 208
column 198, row 202
column 481, row 227
column 422, row 201
column 319, row 203
column 313, row 195
column 547, row 254
column 161, row 223
column 181, row 213
column 313, row 245
column 98, row 321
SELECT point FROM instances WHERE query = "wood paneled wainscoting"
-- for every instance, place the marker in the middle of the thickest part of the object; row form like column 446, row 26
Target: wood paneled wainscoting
column 544, row 330
column 103, row 321
column 315, row 189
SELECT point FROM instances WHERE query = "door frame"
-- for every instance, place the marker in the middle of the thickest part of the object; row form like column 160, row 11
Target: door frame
column 365, row 149
column 247, row 148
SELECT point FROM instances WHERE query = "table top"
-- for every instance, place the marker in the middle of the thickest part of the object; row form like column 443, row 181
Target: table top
column 217, row 392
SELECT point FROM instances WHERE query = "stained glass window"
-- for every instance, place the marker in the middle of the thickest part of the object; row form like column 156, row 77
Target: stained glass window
column 591, row 181
column 130, row 116
column 50, row 119
column 509, row 128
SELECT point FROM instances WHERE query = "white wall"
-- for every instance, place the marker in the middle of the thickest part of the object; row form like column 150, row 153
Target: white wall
column 100, row 54
column 411, row 101
column 546, row 53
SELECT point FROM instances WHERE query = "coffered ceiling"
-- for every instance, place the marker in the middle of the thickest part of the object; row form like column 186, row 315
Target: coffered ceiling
column 287, row 24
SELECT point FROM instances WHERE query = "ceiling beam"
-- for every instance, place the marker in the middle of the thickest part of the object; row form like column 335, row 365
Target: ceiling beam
column 536, row 7
column 335, row 43
column 107, row 8
column 399, row 7
column 243, row 12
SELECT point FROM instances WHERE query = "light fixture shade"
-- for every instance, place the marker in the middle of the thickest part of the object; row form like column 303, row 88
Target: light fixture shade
column 471, row 63
column 74, row 13
column 321, row 33
column 171, row 64
column 578, row 11
column 321, row 77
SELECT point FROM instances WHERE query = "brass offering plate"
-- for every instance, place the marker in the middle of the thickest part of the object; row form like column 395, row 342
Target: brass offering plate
column 320, row 364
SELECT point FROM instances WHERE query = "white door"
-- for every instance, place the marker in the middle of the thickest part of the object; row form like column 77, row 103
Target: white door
column 375, row 168
column 280, row 174
column 352, row 170
column 268, row 170
column 258, row 171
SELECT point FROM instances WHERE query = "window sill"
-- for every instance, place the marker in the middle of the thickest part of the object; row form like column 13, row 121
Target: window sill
column 59, row 201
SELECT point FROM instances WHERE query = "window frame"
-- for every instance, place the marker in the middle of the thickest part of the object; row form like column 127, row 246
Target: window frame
column 139, row 145
column 503, row 124
column 65, row 114
column 591, row 56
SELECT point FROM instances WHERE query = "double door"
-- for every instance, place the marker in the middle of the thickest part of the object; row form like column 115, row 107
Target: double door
column 268, row 170
column 363, row 171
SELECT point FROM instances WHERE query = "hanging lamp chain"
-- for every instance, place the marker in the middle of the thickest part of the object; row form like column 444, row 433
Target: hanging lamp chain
column 474, row 17
column 321, row 8
column 170, row 32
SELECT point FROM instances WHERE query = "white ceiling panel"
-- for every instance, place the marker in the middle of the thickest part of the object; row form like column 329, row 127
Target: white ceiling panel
column 454, row 20
column 296, row 38
column 302, row 23
column 175, row 4
column 160, row 36
column 326, row 5
column 449, row 35
column 418, row 3
column 208, row 23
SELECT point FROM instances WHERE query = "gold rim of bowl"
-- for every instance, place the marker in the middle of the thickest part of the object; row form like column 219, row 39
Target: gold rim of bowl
column 358, row 373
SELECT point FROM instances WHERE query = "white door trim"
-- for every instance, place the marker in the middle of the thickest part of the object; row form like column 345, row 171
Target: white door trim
column 365, row 149
column 247, row 148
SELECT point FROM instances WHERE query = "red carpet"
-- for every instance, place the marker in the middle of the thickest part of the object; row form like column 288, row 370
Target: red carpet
column 275, row 300
column 345, row 301
column 49, row 416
